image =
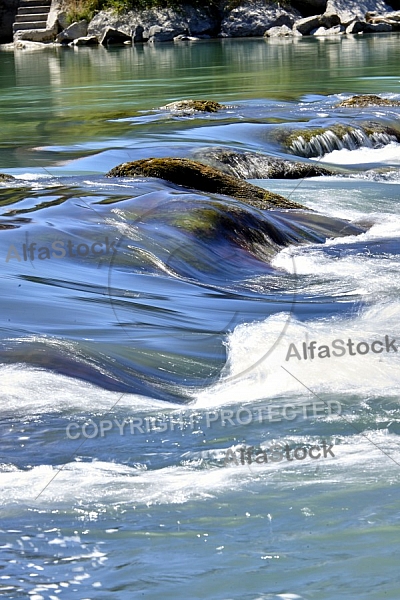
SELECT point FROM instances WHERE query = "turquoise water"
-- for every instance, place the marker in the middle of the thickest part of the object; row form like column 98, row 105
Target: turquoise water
column 159, row 412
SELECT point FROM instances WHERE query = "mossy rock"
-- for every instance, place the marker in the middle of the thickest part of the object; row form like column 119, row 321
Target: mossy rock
column 372, row 128
column 5, row 177
column 197, row 176
column 287, row 138
column 367, row 100
column 191, row 106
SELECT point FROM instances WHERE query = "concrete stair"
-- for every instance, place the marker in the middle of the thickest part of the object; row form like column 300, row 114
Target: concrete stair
column 32, row 15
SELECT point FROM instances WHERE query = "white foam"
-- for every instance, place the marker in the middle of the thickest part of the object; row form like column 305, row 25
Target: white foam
column 81, row 483
column 389, row 154
column 28, row 391
column 260, row 366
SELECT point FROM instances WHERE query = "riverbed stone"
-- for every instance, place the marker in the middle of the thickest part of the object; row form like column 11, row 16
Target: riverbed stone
column 190, row 106
column 5, row 177
column 367, row 100
column 194, row 175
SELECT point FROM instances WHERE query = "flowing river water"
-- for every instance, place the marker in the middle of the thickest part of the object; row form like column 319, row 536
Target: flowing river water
column 170, row 359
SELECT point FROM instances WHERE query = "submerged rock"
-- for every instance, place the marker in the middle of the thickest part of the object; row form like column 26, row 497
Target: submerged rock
column 190, row 106
column 197, row 176
column 367, row 100
column 5, row 177
column 251, row 165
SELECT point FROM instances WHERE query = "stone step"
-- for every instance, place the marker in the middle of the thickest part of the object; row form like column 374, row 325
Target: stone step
column 33, row 10
column 29, row 25
column 31, row 18
column 31, row 3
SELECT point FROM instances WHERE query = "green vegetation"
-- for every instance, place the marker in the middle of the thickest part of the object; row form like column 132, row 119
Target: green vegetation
column 86, row 9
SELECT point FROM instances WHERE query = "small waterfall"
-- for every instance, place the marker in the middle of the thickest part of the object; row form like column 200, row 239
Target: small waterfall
column 327, row 141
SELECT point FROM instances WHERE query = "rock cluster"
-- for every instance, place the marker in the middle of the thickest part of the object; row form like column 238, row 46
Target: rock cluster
column 267, row 18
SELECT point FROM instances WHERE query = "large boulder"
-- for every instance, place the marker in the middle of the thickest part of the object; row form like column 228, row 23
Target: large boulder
column 162, row 24
column 197, row 176
column 310, row 24
column 88, row 40
column 74, row 31
column 282, row 31
column 254, row 18
column 114, row 36
column 348, row 10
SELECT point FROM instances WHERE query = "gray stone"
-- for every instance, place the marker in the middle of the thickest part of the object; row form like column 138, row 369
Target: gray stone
column 88, row 40
column 309, row 24
column 114, row 36
column 255, row 18
column 25, row 45
column 76, row 30
column 283, row 31
column 35, row 35
column 356, row 27
column 186, row 38
column 378, row 27
column 163, row 34
column 392, row 18
column 348, row 10
column 323, row 31
column 157, row 25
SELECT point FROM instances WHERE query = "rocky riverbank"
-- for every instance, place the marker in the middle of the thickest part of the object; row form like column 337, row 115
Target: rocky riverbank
column 251, row 18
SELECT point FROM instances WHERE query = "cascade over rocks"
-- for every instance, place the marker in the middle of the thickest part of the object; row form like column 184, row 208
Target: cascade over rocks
column 194, row 175
column 314, row 142
column 252, row 165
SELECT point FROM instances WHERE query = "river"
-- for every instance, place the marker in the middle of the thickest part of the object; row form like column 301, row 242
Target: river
column 199, row 398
